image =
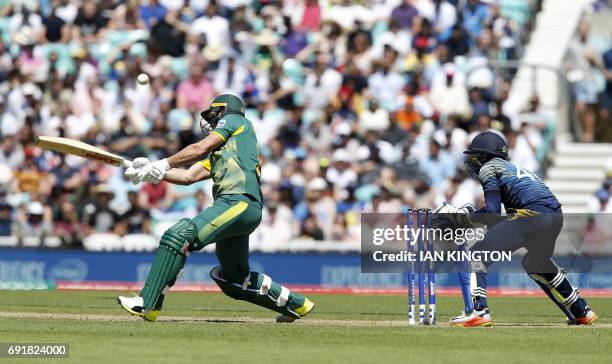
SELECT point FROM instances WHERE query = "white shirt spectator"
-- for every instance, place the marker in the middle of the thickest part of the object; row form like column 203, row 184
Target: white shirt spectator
column 340, row 173
column 276, row 229
column 387, row 88
column 9, row 124
column 449, row 99
column 400, row 41
column 458, row 139
column 18, row 22
column 235, row 86
column 374, row 120
column 522, row 154
column 444, row 19
column 266, row 126
column 319, row 93
column 215, row 28
column 67, row 11
column 271, row 173
column 78, row 126
column 467, row 192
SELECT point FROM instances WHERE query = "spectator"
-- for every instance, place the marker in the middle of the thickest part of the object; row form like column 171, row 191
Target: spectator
column 404, row 14
column 606, row 96
column 583, row 62
column 67, row 225
column 213, row 26
column 322, row 84
column 386, row 84
column 6, row 221
column 99, row 216
column 458, row 42
column 35, row 220
column 168, row 36
column 310, row 229
column 475, row 15
column 55, row 28
column 195, row 92
column 374, row 117
column 67, row 11
column 136, row 220
column 341, row 174
column 310, row 16
column 30, row 177
column 448, row 93
column 152, row 12
column 88, row 22
column 438, row 166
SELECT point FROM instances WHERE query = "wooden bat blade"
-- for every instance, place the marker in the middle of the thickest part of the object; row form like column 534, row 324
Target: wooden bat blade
column 84, row 150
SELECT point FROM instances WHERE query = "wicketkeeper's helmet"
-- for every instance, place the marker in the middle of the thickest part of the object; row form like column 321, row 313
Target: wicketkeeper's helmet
column 484, row 147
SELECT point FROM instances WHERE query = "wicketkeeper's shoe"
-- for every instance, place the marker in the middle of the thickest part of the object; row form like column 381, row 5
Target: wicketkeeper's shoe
column 135, row 306
column 302, row 311
column 476, row 318
column 589, row 317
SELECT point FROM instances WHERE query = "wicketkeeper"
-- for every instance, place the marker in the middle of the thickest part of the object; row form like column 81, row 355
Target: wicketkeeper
column 228, row 155
column 535, row 223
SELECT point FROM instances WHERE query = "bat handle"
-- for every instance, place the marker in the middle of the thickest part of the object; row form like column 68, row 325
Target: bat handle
column 126, row 163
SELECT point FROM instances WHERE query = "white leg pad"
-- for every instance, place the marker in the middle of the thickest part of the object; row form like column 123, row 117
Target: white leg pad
column 283, row 297
column 265, row 285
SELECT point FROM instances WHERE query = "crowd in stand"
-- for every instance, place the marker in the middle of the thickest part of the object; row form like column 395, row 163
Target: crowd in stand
column 359, row 106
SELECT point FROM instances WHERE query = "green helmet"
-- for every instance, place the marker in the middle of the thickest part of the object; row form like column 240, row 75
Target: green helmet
column 220, row 106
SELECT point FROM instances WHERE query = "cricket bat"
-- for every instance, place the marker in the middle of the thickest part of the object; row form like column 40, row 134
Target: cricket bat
column 84, row 150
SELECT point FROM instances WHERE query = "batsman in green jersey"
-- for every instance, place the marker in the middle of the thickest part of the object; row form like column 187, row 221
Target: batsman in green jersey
column 228, row 155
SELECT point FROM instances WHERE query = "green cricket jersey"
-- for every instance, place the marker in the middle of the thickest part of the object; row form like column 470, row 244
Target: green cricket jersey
column 234, row 165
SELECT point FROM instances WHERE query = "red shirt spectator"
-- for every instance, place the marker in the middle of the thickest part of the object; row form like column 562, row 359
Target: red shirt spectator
column 311, row 18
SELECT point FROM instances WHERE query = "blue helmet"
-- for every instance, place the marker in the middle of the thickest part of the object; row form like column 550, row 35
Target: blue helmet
column 484, row 147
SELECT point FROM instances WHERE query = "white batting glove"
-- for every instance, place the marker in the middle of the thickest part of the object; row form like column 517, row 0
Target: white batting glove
column 154, row 172
column 140, row 162
column 132, row 172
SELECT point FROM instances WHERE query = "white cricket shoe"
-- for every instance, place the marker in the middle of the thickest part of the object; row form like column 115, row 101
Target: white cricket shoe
column 476, row 318
column 135, row 306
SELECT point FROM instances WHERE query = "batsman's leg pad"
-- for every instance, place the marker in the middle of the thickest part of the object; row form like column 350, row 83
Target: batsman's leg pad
column 558, row 288
column 259, row 289
column 174, row 247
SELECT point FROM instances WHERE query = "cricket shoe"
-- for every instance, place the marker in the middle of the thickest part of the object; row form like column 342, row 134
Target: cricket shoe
column 135, row 306
column 589, row 317
column 476, row 318
column 303, row 310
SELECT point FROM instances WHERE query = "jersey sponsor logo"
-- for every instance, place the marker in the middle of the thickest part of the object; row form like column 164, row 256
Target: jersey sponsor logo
column 221, row 123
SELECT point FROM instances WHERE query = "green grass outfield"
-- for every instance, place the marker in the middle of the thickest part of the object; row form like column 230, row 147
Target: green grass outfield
column 211, row 328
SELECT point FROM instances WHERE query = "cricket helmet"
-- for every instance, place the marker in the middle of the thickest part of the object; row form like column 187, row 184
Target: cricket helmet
column 219, row 107
column 484, row 147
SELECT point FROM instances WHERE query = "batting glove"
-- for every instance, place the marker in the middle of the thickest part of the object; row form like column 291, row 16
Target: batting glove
column 132, row 172
column 154, row 172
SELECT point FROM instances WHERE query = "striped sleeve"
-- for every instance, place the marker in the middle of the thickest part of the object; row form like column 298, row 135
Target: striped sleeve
column 489, row 174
